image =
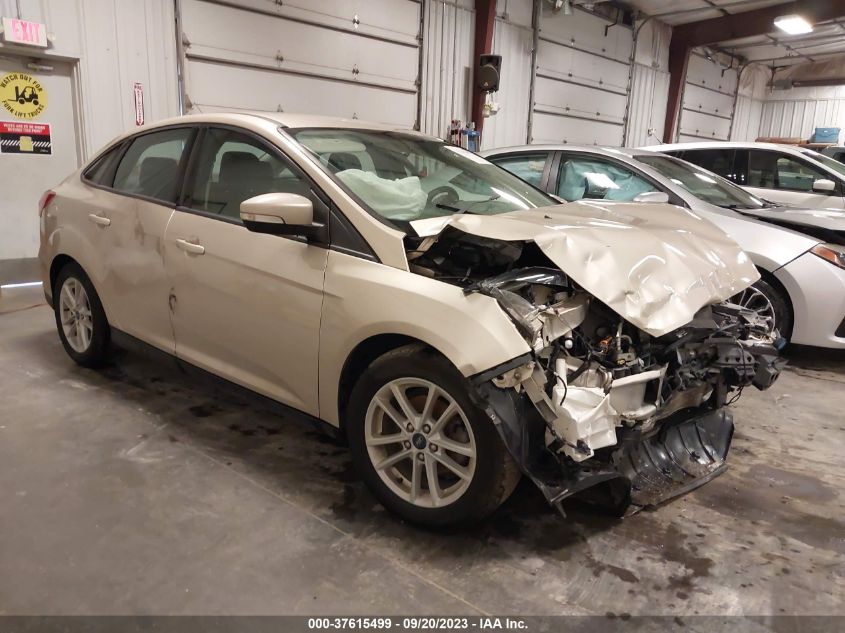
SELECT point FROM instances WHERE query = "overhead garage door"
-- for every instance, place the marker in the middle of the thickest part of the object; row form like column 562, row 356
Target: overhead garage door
column 708, row 100
column 350, row 58
column 581, row 89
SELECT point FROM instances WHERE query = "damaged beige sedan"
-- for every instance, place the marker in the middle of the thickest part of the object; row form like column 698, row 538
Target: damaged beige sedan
column 458, row 326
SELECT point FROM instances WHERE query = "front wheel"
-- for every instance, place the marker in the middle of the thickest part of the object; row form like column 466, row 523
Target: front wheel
column 421, row 445
column 80, row 318
column 769, row 303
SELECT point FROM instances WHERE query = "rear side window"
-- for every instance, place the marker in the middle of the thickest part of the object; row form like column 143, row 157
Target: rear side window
column 719, row 161
column 150, row 166
column 101, row 172
column 529, row 167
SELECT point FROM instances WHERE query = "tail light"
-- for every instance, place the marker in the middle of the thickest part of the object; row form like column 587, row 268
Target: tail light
column 45, row 201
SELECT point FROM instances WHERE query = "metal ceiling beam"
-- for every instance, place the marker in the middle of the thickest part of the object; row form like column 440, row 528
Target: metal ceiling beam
column 734, row 26
column 756, row 22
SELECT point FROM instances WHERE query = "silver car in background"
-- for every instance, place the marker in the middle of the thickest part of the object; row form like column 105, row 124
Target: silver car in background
column 800, row 253
column 788, row 174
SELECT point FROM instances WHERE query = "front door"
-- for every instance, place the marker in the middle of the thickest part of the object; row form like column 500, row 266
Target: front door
column 246, row 306
column 30, row 160
column 789, row 180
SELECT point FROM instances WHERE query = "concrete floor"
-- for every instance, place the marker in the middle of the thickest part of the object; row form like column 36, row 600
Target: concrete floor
column 136, row 490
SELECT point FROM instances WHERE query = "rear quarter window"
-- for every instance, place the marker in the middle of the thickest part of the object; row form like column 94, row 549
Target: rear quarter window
column 101, row 171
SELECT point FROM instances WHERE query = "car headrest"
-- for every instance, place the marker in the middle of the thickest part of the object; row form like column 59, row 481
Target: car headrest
column 341, row 161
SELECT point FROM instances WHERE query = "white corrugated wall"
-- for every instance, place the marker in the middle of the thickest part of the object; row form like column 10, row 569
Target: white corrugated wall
column 114, row 45
column 797, row 112
column 512, row 39
column 447, row 64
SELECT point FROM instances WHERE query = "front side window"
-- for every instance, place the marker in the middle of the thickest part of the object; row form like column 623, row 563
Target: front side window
column 404, row 177
column 772, row 170
column 150, row 166
column 596, row 179
column 232, row 167
column 702, row 184
column 834, row 164
column 529, row 167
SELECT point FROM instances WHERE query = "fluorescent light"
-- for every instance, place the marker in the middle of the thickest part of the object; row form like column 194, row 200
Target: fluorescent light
column 23, row 285
column 793, row 24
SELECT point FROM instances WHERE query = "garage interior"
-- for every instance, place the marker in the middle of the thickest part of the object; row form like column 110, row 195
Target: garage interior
column 139, row 490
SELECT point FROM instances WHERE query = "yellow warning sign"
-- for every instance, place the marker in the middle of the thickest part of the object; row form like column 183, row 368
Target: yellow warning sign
column 22, row 95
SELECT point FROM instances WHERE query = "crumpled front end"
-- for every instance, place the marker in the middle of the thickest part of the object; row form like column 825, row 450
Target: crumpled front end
column 634, row 351
column 601, row 403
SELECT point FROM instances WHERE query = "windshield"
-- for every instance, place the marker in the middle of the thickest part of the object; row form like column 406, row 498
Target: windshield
column 404, row 177
column 827, row 161
column 702, row 184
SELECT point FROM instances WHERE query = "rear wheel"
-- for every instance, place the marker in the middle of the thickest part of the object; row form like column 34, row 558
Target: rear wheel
column 80, row 318
column 421, row 446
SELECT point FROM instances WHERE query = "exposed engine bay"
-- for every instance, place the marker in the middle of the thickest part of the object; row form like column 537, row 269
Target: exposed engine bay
column 598, row 400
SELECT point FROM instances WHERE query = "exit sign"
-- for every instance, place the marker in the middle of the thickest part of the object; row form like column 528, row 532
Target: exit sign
column 22, row 32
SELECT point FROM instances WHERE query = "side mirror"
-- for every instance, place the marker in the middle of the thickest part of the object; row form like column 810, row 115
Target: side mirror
column 282, row 214
column 655, row 197
column 823, row 185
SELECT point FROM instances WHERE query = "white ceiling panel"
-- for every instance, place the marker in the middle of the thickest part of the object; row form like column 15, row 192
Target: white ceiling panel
column 676, row 12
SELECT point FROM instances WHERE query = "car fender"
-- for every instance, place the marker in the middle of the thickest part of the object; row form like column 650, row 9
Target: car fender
column 364, row 299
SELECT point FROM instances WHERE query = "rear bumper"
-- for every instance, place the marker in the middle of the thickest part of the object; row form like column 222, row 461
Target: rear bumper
column 817, row 291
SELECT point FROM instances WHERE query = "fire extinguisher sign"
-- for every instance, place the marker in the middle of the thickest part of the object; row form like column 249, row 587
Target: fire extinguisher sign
column 138, row 92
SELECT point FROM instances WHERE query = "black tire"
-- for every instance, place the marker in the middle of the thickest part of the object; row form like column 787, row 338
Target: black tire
column 97, row 352
column 496, row 474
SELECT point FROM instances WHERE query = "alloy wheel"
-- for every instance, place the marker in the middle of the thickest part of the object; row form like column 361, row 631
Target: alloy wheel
column 420, row 442
column 75, row 313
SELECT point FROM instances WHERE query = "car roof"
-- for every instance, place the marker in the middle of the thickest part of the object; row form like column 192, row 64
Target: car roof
column 601, row 150
column 284, row 119
column 725, row 144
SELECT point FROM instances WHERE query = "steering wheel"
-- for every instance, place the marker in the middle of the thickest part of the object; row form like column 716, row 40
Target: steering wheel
column 443, row 195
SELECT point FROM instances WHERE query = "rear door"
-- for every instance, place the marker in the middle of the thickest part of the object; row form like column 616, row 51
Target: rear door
column 246, row 306
column 127, row 219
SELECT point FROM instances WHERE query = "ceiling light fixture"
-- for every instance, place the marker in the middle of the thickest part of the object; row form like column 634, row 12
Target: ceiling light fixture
column 793, row 24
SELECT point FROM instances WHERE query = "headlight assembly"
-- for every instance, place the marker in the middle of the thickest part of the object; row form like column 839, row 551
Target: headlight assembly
column 835, row 257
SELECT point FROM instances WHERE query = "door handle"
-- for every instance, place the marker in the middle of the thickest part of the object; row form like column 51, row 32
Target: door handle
column 190, row 247
column 99, row 219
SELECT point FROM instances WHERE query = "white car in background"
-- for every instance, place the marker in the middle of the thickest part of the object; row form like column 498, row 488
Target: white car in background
column 782, row 173
column 802, row 289
column 457, row 325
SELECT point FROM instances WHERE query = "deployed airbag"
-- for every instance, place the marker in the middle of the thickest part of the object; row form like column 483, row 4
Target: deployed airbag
column 401, row 199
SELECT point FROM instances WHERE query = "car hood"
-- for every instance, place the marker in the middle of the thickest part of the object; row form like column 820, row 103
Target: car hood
column 827, row 225
column 656, row 265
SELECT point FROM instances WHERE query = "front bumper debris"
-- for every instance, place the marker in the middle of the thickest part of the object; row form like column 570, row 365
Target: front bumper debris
column 689, row 449
column 681, row 457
